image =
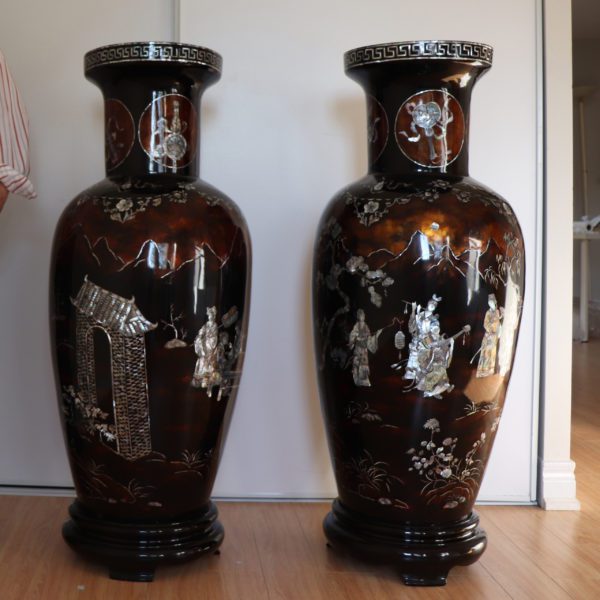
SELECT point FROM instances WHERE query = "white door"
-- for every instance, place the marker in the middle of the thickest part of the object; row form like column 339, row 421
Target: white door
column 282, row 131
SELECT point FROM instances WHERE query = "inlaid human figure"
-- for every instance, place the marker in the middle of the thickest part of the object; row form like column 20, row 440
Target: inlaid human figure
column 361, row 342
column 427, row 119
column 168, row 139
column 492, row 324
column 419, row 326
column 206, row 346
column 434, row 360
column 372, row 133
column 435, row 357
column 510, row 323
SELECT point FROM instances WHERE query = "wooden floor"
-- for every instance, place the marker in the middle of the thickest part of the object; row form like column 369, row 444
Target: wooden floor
column 277, row 551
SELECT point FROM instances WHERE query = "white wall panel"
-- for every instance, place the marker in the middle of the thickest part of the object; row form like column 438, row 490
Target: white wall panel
column 281, row 133
column 44, row 44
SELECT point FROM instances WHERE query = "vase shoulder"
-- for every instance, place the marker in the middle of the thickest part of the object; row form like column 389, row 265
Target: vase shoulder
column 380, row 208
column 133, row 196
column 134, row 213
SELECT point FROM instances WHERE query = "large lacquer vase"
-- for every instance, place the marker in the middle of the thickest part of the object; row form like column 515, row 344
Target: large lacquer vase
column 149, row 308
column 418, row 290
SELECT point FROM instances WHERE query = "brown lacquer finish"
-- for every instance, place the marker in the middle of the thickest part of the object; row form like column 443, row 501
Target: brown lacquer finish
column 418, row 290
column 149, row 305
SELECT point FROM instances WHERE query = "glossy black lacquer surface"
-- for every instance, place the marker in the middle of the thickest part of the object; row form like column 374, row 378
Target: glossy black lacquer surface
column 149, row 303
column 418, row 289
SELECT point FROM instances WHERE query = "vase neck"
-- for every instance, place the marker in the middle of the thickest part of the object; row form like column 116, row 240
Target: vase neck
column 418, row 115
column 151, row 110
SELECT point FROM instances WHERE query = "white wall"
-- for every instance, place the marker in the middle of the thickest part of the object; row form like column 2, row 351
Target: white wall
column 44, row 44
column 286, row 130
column 282, row 131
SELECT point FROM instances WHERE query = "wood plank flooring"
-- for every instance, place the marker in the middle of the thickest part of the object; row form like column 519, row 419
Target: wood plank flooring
column 276, row 551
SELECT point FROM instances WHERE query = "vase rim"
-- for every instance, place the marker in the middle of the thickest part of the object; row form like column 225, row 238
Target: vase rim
column 470, row 52
column 153, row 52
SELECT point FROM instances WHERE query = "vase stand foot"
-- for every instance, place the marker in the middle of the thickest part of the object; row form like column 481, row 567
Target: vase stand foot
column 429, row 579
column 142, row 575
column 132, row 550
column 422, row 555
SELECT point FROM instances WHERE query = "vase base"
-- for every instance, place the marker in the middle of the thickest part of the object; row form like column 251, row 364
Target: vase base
column 421, row 554
column 132, row 551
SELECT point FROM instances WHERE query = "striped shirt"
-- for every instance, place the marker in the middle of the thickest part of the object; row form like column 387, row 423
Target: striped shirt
column 14, row 137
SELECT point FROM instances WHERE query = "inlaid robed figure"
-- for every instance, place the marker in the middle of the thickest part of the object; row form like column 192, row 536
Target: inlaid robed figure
column 150, row 271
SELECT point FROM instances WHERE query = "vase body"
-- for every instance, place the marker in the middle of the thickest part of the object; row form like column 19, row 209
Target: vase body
column 418, row 287
column 149, row 303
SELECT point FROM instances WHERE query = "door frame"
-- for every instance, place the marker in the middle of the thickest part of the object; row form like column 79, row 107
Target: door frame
column 556, row 470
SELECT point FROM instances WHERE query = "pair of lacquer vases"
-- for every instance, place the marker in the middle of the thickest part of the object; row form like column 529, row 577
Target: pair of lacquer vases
column 418, row 285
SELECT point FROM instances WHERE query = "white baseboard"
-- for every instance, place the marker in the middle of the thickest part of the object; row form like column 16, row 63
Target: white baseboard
column 25, row 490
column 558, row 486
column 66, row 492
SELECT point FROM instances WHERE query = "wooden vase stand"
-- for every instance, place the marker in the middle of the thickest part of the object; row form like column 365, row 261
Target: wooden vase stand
column 133, row 550
column 422, row 554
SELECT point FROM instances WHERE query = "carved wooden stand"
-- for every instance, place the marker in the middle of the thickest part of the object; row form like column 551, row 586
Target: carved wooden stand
column 133, row 551
column 422, row 554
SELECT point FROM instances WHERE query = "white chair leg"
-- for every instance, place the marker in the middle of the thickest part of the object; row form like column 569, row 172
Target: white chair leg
column 584, row 291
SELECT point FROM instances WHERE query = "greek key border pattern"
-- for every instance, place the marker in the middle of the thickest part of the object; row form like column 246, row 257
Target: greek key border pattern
column 450, row 50
column 156, row 51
